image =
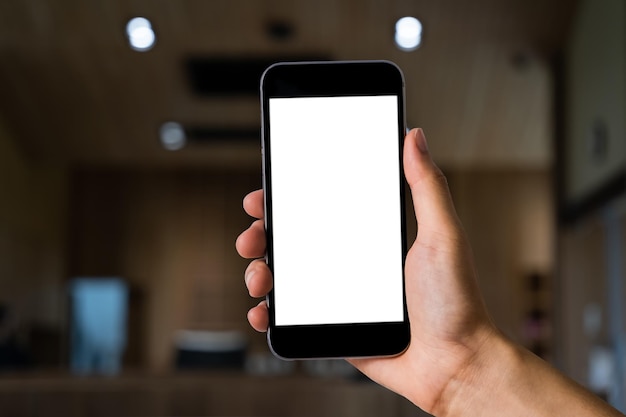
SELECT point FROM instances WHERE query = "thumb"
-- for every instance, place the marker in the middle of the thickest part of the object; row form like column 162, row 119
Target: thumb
column 431, row 197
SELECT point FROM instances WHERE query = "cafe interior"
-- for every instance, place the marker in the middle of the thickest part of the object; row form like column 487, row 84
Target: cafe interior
column 130, row 133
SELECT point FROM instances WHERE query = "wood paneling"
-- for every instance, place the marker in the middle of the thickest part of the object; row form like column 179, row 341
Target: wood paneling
column 72, row 89
column 171, row 234
column 200, row 395
column 32, row 246
column 508, row 217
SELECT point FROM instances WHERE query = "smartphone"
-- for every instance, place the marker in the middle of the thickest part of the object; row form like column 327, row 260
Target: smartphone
column 332, row 138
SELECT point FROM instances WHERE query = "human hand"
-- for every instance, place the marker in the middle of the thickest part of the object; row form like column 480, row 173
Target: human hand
column 457, row 363
column 448, row 319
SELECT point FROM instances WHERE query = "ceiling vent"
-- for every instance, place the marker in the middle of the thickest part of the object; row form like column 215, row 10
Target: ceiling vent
column 233, row 76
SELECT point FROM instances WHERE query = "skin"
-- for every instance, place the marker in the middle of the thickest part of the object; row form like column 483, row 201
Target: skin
column 457, row 363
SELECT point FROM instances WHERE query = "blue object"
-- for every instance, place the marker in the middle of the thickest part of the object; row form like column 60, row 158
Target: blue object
column 99, row 312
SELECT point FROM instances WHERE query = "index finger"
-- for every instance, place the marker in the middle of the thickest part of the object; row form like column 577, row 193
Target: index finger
column 253, row 204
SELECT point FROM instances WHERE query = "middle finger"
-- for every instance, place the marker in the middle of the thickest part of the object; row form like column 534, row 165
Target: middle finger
column 251, row 243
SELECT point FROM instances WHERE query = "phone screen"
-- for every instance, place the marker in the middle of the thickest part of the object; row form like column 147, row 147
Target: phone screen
column 337, row 227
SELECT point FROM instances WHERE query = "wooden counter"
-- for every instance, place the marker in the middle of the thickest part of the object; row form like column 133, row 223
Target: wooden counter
column 196, row 394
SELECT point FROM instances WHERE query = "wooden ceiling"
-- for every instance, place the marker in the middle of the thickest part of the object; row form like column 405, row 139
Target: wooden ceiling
column 72, row 90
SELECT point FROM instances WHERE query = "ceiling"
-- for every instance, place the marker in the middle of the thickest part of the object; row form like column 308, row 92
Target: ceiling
column 72, row 90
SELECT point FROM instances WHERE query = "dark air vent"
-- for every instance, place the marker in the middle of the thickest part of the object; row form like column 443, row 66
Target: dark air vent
column 223, row 77
column 205, row 134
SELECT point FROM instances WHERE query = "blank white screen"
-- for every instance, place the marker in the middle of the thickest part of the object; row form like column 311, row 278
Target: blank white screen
column 336, row 210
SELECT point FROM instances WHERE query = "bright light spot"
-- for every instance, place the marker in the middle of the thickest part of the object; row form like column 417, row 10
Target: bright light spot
column 172, row 136
column 140, row 34
column 408, row 33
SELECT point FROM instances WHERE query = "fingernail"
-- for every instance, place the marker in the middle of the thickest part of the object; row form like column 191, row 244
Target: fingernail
column 420, row 139
column 248, row 276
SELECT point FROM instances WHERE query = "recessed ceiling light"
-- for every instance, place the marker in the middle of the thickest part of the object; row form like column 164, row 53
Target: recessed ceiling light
column 172, row 136
column 408, row 33
column 141, row 37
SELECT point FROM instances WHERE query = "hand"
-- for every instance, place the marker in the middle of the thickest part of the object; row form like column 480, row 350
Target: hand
column 449, row 322
column 457, row 363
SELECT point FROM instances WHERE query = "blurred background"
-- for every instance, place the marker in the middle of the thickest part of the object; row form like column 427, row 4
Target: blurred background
column 127, row 145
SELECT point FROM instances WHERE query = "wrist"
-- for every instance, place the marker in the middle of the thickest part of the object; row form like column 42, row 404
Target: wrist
column 488, row 370
column 502, row 378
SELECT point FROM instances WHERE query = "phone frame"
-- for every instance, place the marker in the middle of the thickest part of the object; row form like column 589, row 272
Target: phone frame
column 322, row 79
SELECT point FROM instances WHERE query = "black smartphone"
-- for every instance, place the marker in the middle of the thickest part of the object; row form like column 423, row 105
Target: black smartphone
column 332, row 141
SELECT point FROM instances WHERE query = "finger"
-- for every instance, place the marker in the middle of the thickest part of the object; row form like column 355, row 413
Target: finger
column 429, row 188
column 258, row 317
column 258, row 278
column 251, row 243
column 253, row 204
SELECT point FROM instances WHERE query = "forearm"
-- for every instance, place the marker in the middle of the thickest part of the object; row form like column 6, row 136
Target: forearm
column 507, row 380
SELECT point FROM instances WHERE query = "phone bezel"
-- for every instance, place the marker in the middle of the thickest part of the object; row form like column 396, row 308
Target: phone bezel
column 322, row 79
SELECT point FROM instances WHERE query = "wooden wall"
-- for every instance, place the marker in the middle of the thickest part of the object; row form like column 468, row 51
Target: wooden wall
column 508, row 216
column 229, row 394
column 32, row 245
column 172, row 236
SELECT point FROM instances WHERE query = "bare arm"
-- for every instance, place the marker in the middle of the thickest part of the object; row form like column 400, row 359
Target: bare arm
column 505, row 379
